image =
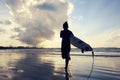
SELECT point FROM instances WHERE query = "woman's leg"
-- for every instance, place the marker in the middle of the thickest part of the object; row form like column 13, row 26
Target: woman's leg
column 66, row 63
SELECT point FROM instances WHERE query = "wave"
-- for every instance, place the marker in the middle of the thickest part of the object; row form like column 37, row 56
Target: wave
column 72, row 50
column 90, row 55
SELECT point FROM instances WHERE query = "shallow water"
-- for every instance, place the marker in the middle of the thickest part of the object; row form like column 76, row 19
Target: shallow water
column 41, row 65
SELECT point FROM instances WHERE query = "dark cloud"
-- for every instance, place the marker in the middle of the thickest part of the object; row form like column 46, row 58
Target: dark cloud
column 2, row 30
column 17, row 29
column 46, row 6
column 1, row 22
column 5, row 22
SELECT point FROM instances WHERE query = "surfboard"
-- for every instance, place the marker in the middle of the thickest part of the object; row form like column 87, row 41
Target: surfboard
column 80, row 44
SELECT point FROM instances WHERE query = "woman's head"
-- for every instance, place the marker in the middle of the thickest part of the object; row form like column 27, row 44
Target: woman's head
column 65, row 25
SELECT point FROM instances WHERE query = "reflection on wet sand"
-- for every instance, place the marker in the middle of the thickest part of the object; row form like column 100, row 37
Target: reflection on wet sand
column 7, row 65
column 28, row 66
column 36, row 65
column 35, row 69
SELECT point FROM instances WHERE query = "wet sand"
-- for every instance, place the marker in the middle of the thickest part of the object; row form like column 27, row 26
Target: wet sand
column 37, row 65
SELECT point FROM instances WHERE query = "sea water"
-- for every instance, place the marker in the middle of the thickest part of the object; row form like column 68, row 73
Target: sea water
column 47, row 64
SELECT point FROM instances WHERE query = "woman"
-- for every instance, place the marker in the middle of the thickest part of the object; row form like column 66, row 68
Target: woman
column 65, row 46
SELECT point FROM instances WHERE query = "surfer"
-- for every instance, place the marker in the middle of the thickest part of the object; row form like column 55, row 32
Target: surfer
column 65, row 46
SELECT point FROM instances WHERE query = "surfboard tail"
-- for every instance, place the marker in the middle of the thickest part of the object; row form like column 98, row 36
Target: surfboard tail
column 82, row 50
column 81, row 44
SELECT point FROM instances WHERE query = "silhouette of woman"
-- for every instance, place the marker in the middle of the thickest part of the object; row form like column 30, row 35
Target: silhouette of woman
column 65, row 46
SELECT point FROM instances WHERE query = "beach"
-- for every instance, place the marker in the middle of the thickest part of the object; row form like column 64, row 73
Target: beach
column 39, row 64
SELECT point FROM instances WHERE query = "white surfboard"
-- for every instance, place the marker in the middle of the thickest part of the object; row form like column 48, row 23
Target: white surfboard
column 80, row 44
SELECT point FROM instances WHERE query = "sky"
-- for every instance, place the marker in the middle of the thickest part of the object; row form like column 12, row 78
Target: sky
column 39, row 22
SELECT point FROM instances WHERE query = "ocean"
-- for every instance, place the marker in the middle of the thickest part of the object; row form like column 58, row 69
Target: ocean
column 47, row 64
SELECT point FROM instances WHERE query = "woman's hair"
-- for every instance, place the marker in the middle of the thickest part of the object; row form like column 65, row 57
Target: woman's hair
column 65, row 25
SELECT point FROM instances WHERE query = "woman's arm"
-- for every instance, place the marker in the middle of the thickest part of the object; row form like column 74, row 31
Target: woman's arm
column 61, row 34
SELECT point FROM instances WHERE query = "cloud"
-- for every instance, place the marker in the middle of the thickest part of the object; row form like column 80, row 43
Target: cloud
column 39, row 19
column 110, row 38
column 113, row 38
